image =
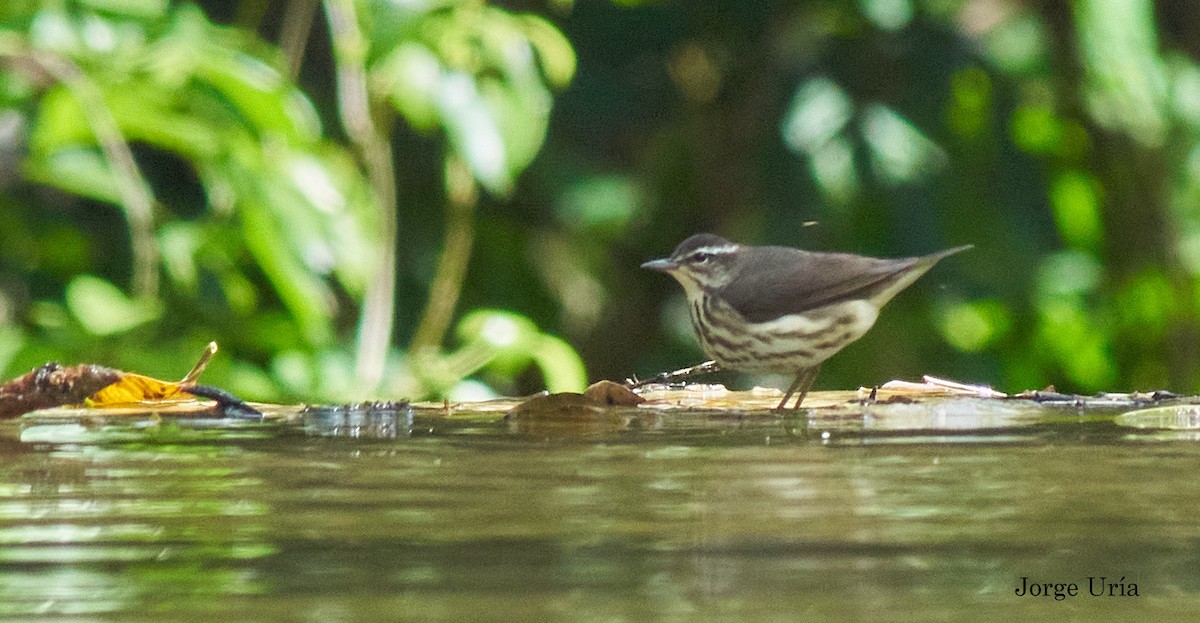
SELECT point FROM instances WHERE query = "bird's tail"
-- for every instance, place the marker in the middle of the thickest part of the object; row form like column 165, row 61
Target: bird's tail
column 913, row 271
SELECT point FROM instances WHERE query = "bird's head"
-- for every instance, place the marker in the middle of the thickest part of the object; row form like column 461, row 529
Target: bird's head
column 703, row 262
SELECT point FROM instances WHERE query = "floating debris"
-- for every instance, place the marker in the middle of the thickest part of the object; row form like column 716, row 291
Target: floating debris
column 932, row 385
column 101, row 388
column 612, row 394
column 53, row 385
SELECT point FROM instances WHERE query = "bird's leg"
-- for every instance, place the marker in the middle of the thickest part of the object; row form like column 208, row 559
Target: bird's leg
column 803, row 382
column 667, row 377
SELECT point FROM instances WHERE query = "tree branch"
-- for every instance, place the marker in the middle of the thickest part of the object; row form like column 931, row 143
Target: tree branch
column 461, row 197
column 378, row 308
column 136, row 199
column 293, row 36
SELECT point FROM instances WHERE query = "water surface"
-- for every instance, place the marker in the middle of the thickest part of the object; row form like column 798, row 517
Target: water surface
column 889, row 513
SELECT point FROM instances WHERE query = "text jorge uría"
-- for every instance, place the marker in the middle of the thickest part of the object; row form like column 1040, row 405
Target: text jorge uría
column 1097, row 586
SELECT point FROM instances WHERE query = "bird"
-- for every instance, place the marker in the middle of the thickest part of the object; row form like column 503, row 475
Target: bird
column 784, row 310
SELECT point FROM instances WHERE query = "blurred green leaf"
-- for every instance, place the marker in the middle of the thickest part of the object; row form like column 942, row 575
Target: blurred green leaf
column 52, row 29
column 1077, row 343
column 180, row 245
column 970, row 110
column 554, row 51
column 1037, row 129
column 103, row 309
column 328, row 373
column 1146, row 304
column 819, row 111
column 81, row 170
column 302, row 292
column 1068, row 274
column 340, row 201
column 1074, row 197
column 12, row 339
column 561, row 366
column 1126, row 87
column 512, row 343
column 258, row 93
column 294, row 370
column 60, row 122
column 411, row 76
column 973, row 326
column 1185, row 81
column 902, row 152
column 509, row 339
column 890, row 15
column 1018, row 43
column 139, row 9
column 601, row 203
column 472, row 128
column 483, row 75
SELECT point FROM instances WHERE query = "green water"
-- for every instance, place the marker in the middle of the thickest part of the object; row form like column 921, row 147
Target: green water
column 674, row 517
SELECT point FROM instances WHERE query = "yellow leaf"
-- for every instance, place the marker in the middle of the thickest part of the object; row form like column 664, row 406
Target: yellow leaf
column 138, row 388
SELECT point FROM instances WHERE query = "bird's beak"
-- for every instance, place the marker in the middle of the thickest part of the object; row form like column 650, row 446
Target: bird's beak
column 663, row 266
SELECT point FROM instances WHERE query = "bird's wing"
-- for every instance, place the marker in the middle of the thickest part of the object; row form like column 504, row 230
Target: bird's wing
column 790, row 281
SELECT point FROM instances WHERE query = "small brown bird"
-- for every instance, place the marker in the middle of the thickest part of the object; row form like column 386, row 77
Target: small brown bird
column 783, row 310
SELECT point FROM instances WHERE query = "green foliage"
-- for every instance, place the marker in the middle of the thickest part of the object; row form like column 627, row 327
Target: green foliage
column 102, row 309
column 276, row 238
column 480, row 74
column 508, row 343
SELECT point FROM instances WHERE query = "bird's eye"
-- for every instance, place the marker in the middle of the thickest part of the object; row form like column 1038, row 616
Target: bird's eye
column 701, row 258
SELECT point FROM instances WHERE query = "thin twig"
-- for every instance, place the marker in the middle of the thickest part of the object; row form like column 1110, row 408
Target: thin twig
column 136, row 199
column 461, row 198
column 197, row 369
column 378, row 308
column 675, row 375
column 963, row 388
column 293, row 35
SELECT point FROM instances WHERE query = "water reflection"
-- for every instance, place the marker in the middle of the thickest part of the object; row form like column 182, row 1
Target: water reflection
column 688, row 516
column 94, row 522
column 363, row 420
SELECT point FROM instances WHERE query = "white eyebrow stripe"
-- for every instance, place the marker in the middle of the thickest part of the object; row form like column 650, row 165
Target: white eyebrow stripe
column 725, row 248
